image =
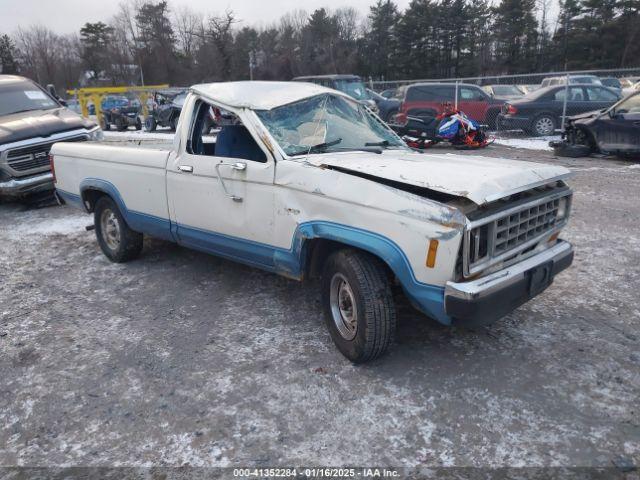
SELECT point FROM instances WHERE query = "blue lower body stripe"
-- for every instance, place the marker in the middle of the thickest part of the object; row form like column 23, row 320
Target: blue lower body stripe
column 289, row 262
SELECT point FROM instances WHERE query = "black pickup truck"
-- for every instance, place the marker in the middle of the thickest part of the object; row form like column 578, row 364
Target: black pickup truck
column 31, row 120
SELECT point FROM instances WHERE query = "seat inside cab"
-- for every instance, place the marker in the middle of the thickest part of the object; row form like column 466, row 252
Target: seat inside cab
column 232, row 141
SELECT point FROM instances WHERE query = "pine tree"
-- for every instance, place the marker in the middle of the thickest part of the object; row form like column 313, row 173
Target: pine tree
column 380, row 42
column 8, row 54
column 516, row 34
column 95, row 39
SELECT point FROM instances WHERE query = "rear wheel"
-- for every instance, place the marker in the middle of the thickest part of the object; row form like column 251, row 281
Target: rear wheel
column 543, row 125
column 118, row 242
column 106, row 126
column 174, row 123
column 358, row 305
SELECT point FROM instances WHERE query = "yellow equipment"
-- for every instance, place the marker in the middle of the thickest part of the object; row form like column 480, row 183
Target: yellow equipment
column 96, row 94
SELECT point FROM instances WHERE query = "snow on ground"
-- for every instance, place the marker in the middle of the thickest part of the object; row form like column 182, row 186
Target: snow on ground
column 43, row 222
column 535, row 143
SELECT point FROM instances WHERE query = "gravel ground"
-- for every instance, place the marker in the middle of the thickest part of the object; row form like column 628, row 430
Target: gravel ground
column 183, row 358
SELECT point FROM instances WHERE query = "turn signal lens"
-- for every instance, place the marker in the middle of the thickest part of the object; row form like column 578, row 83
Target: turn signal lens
column 431, row 254
column 554, row 237
column 53, row 168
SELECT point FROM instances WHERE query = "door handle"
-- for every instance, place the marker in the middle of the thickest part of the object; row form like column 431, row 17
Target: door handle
column 637, row 124
column 237, row 166
column 185, row 168
column 240, row 166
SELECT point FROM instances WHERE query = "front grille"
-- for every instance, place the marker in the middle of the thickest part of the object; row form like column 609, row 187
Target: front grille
column 34, row 156
column 513, row 232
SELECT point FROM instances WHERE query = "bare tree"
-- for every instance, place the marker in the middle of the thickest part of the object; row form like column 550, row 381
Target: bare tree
column 189, row 27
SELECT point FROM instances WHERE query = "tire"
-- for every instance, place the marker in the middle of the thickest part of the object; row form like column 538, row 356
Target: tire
column 173, row 123
column 106, row 126
column 118, row 242
column 150, row 124
column 122, row 125
column 390, row 115
column 138, row 124
column 543, row 125
column 355, row 283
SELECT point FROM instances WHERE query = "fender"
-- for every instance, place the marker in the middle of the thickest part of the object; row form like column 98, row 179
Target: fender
column 138, row 221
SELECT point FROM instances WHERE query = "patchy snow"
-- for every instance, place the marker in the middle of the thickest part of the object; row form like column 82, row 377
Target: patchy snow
column 36, row 222
column 535, row 143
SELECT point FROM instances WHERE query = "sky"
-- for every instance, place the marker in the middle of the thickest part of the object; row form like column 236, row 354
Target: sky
column 67, row 16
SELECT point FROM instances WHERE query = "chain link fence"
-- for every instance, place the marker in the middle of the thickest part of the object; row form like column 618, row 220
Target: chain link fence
column 513, row 105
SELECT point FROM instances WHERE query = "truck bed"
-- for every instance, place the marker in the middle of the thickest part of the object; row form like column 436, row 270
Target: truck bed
column 137, row 174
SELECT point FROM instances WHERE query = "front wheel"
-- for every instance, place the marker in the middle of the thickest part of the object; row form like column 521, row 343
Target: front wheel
column 118, row 242
column 358, row 305
column 138, row 124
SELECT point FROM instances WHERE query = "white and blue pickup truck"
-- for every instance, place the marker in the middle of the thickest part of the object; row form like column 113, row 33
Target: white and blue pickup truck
column 305, row 182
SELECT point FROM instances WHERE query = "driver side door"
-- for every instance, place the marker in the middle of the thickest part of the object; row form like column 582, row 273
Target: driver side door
column 223, row 201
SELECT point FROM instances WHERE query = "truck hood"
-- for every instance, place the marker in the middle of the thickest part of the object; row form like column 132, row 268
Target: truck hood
column 39, row 123
column 480, row 179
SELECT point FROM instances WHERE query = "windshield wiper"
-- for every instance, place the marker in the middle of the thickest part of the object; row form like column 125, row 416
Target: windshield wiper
column 383, row 143
column 316, row 148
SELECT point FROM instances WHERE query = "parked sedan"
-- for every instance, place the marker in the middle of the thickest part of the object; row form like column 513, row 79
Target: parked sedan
column 540, row 112
column 615, row 130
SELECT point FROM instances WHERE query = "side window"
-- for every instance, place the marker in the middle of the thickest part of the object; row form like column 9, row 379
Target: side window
column 232, row 141
column 470, row 94
column 597, row 94
column 575, row 94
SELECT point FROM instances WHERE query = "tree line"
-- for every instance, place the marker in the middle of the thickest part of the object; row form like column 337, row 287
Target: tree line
column 151, row 42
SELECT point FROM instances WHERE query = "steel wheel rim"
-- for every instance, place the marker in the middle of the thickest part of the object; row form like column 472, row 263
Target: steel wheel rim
column 110, row 228
column 344, row 310
column 544, row 126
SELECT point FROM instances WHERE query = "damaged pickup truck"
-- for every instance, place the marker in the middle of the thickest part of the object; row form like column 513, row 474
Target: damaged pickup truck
column 306, row 182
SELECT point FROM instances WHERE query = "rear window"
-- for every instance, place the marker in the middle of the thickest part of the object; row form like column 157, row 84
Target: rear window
column 428, row 93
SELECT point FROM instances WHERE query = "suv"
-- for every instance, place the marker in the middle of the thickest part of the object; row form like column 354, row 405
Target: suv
column 352, row 85
column 31, row 120
column 427, row 100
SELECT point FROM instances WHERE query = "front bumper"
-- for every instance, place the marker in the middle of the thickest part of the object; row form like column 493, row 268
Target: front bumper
column 489, row 298
column 18, row 187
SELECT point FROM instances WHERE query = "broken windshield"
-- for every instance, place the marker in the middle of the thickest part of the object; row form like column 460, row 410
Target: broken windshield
column 301, row 126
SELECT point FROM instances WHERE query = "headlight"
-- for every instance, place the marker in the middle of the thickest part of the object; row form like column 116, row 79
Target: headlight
column 96, row 135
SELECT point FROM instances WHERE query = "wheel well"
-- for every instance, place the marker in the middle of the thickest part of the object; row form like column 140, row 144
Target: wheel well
column 90, row 197
column 317, row 250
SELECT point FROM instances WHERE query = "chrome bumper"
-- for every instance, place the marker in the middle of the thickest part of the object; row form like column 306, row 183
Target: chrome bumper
column 22, row 186
column 491, row 297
